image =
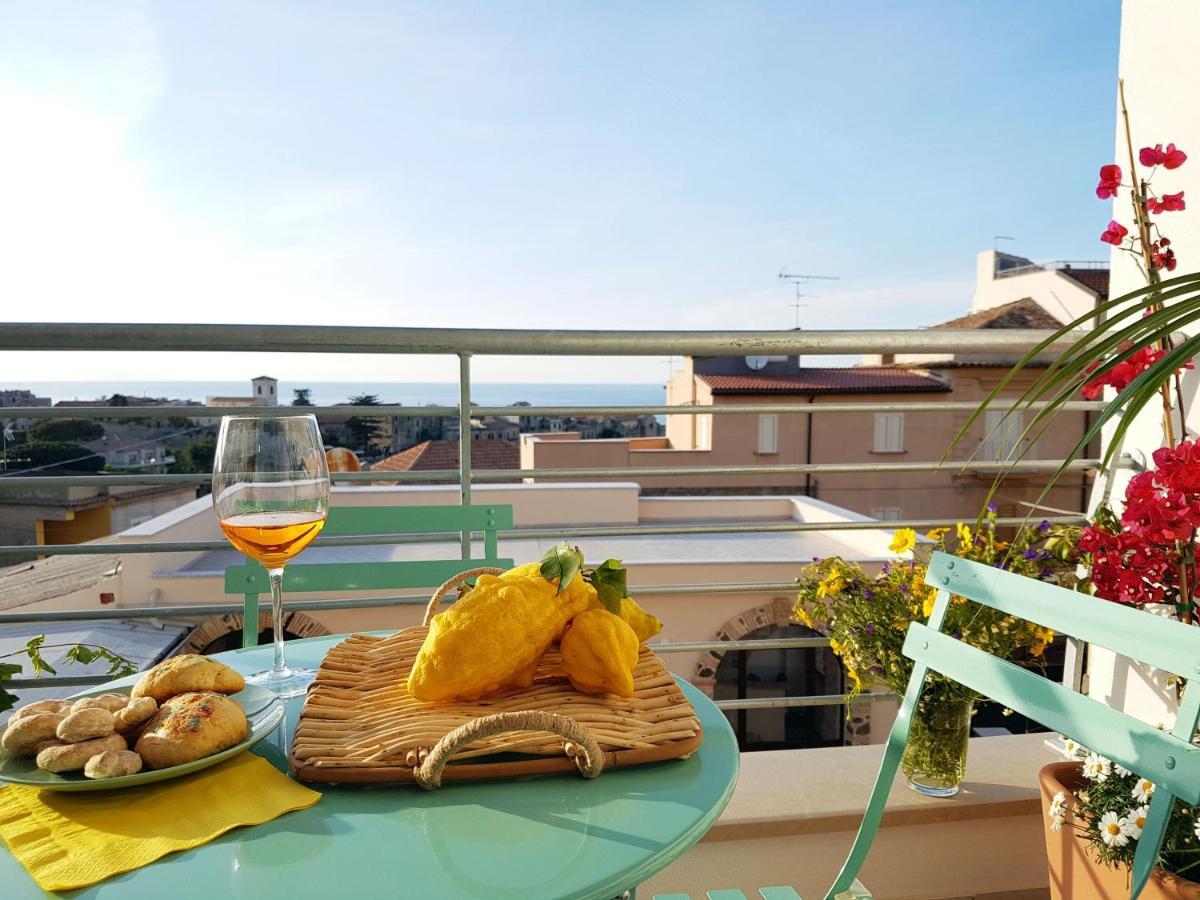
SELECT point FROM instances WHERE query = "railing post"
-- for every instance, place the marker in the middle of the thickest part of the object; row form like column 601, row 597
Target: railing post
column 464, row 441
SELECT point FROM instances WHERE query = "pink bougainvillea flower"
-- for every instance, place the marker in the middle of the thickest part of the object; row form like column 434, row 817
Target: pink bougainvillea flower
column 1166, row 203
column 1110, row 182
column 1115, row 233
column 1172, row 158
column 1152, row 156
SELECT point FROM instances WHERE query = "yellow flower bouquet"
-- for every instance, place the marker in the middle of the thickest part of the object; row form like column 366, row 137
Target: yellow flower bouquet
column 866, row 617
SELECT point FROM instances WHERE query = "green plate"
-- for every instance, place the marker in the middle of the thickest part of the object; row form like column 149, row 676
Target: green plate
column 264, row 712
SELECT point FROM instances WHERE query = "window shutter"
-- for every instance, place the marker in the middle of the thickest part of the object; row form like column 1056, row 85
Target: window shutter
column 768, row 433
column 889, row 432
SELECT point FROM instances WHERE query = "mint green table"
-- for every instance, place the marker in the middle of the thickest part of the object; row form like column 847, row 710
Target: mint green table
column 548, row 838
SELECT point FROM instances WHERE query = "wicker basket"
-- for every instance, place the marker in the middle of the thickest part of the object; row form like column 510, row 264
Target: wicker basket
column 360, row 724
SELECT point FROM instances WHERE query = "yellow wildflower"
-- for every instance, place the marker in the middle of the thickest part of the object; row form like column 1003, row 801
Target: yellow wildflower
column 937, row 534
column 850, row 670
column 964, row 535
column 831, row 585
column 836, row 647
column 802, row 616
column 1002, row 545
column 903, row 540
column 930, row 598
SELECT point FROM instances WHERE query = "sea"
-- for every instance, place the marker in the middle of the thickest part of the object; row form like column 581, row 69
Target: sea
column 328, row 393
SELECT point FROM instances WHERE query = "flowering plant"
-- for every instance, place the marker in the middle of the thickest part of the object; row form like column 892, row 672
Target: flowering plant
column 1109, row 811
column 1148, row 554
column 866, row 617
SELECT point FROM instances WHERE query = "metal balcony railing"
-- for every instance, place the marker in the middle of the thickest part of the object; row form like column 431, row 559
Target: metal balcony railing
column 466, row 343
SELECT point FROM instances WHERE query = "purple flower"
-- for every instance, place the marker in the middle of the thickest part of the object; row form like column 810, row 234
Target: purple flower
column 1046, row 573
column 870, row 595
column 957, row 635
column 992, row 507
column 887, row 567
column 870, row 629
column 1044, row 526
column 1030, row 554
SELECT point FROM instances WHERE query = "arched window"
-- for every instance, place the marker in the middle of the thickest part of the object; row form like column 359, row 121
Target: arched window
column 795, row 672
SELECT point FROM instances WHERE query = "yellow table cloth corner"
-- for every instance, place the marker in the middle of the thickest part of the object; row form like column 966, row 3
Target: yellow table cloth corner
column 70, row 840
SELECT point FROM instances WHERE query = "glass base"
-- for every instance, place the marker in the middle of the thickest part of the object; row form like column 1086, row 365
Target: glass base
column 285, row 682
column 930, row 790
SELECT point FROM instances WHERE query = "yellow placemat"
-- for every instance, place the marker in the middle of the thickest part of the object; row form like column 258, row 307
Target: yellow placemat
column 69, row 840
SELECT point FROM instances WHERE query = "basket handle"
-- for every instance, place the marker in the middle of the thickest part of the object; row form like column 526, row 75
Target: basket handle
column 452, row 582
column 581, row 746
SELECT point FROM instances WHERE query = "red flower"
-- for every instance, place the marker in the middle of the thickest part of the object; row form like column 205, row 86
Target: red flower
column 1115, row 234
column 1173, row 158
column 1167, row 203
column 1110, row 182
column 1152, row 156
column 1161, row 257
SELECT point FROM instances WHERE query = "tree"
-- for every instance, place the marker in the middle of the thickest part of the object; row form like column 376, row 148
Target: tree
column 365, row 430
column 118, row 400
column 302, row 397
column 71, row 430
column 59, row 455
column 196, row 457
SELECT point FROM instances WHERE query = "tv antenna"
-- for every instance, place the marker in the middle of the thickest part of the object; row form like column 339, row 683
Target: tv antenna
column 797, row 279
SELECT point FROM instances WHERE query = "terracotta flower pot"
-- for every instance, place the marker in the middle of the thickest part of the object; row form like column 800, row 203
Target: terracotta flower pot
column 1074, row 875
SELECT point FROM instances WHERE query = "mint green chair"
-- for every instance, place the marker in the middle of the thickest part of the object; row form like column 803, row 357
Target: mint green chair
column 250, row 579
column 1169, row 759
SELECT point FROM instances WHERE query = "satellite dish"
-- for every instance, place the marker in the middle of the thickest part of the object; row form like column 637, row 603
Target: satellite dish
column 757, row 362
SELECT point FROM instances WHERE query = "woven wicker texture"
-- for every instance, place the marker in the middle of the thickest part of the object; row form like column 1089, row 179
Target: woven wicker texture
column 360, row 724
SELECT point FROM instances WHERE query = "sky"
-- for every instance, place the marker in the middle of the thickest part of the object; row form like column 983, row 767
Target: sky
column 536, row 165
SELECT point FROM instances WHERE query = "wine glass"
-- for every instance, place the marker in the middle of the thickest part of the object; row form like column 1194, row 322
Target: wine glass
column 270, row 490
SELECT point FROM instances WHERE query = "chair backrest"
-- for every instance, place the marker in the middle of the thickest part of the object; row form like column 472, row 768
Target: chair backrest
column 250, row 579
column 1169, row 759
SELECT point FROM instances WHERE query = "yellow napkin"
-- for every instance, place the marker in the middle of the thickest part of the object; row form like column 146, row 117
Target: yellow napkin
column 68, row 840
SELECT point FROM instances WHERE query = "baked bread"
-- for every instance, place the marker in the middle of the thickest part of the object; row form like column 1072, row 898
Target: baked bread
column 73, row 757
column 86, row 724
column 192, row 726
column 61, row 707
column 113, row 764
column 189, row 672
column 136, row 713
column 111, row 702
column 24, row 734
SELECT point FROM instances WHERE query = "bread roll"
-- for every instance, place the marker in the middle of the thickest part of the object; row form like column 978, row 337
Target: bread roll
column 86, row 724
column 113, row 764
column 60, row 707
column 192, row 726
column 23, row 735
column 133, row 715
column 111, row 702
column 52, row 742
column 73, row 757
column 189, row 672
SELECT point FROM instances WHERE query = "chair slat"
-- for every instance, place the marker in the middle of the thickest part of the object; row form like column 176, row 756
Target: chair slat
column 1157, row 755
column 345, row 520
column 1163, row 643
column 779, row 893
column 672, row 897
column 380, row 576
column 726, row 895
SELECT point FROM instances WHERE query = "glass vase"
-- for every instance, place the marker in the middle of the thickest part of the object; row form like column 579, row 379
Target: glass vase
column 936, row 756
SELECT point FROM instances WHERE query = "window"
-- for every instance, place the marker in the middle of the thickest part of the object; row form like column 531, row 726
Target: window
column 886, row 513
column 889, row 432
column 1002, row 435
column 768, row 433
column 703, row 432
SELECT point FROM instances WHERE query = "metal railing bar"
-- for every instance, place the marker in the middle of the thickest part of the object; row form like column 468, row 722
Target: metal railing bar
column 564, row 531
column 450, row 412
column 56, row 681
column 193, row 337
column 815, row 700
column 451, row 475
column 751, row 644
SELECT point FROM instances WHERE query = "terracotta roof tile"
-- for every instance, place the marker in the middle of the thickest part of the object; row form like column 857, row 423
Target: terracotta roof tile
column 860, row 380
column 438, row 455
column 1026, row 313
column 1092, row 279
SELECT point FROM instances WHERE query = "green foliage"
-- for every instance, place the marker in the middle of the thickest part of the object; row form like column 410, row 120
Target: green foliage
column 564, row 562
column 66, row 430
column 196, row 457
column 302, row 397
column 78, row 654
column 365, row 430
column 60, row 455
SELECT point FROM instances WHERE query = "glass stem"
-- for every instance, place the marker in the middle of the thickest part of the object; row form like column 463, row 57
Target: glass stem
column 276, row 576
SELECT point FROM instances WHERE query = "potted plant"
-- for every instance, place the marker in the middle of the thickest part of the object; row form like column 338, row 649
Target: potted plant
column 866, row 618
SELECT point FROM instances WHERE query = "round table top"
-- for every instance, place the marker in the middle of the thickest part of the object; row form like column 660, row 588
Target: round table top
column 553, row 837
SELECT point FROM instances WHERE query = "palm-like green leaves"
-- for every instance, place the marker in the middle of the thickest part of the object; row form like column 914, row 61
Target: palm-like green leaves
column 1115, row 330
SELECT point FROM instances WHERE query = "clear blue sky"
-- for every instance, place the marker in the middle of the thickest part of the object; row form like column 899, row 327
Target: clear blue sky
column 640, row 165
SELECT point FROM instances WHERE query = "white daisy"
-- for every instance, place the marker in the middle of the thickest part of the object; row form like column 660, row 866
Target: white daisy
column 1057, row 806
column 1143, row 790
column 1056, row 823
column 1096, row 767
column 1111, row 831
column 1072, row 749
column 1135, row 821
column 1121, row 770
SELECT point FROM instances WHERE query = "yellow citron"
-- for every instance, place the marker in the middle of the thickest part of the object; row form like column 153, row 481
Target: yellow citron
column 494, row 637
column 599, row 653
column 644, row 625
column 903, row 540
